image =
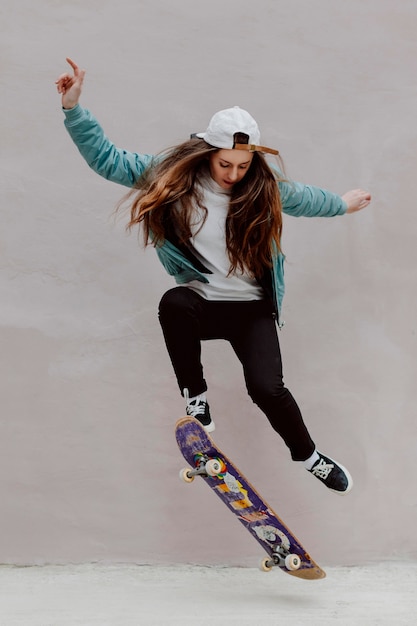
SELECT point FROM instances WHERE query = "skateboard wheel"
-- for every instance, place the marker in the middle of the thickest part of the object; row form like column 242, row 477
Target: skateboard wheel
column 213, row 467
column 184, row 475
column 292, row 562
column 266, row 565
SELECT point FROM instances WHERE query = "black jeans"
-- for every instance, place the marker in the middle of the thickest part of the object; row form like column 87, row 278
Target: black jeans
column 187, row 319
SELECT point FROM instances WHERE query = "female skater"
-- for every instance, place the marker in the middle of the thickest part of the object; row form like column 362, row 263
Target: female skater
column 212, row 208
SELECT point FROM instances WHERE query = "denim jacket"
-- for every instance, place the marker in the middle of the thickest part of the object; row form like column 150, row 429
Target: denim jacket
column 125, row 168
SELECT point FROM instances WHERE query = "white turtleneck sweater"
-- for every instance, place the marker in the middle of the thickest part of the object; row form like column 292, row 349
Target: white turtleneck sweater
column 209, row 246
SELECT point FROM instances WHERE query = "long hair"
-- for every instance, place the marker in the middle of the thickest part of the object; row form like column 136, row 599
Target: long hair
column 167, row 195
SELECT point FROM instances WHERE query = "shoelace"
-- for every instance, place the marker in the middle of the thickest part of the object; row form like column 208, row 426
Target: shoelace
column 323, row 469
column 195, row 409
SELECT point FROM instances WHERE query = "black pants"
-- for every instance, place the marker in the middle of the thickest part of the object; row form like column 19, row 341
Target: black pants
column 187, row 319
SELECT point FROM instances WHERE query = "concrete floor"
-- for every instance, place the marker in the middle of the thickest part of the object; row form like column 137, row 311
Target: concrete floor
column 126, row 595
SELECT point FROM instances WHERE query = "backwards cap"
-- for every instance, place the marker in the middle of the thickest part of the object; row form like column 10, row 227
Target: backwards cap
column 226, row 128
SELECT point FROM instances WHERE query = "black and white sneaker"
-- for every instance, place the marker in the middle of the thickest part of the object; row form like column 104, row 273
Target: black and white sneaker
column 198, row 407
column 332, row 474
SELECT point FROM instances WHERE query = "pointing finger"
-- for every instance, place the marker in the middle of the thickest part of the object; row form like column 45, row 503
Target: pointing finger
column 73, row 64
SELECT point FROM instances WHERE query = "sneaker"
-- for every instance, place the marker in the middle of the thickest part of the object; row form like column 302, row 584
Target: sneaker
column 199, row 409
column 332, row 474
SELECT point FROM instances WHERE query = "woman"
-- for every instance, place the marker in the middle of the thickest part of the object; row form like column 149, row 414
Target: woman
column 212, row 207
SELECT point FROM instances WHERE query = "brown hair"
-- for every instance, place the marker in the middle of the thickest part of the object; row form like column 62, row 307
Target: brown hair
column 166, row 196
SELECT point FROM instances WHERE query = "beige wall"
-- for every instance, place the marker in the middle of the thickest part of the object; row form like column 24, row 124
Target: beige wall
column 88, row 460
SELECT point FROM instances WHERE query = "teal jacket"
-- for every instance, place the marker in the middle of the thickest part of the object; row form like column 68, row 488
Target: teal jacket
column 125, row 168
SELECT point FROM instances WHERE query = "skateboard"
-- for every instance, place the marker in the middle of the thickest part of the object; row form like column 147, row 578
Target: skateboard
column 227, row 481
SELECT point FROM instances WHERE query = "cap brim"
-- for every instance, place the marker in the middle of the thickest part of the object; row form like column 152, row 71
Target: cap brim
column 250, row 147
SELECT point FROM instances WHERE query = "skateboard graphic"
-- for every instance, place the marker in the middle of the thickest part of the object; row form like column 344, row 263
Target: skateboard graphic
column 208, row 461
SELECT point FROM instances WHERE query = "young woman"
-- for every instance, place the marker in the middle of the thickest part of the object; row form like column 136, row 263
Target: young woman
column 212, row 208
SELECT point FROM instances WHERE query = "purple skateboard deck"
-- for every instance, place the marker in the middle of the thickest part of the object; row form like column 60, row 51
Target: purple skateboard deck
column 245, row 502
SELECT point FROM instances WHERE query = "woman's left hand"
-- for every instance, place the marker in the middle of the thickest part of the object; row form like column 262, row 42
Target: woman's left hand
column 356, row 200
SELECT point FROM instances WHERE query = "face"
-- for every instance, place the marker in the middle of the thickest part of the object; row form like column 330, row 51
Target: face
column 228, row 167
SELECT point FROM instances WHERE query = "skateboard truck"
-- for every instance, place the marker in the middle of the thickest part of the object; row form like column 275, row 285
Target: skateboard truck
column 280, row 557
column 205, row 466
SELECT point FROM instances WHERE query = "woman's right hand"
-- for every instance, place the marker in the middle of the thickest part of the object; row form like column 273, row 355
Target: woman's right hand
column 70, row 86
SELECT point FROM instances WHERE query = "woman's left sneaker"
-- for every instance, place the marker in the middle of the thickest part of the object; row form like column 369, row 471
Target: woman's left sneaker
column 332, row 474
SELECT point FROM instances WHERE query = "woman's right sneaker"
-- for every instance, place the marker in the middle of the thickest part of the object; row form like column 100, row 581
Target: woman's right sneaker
column 332, row 474
column 198, row 407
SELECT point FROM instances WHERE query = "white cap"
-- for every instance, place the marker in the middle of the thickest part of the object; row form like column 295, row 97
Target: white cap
column 224, row 124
